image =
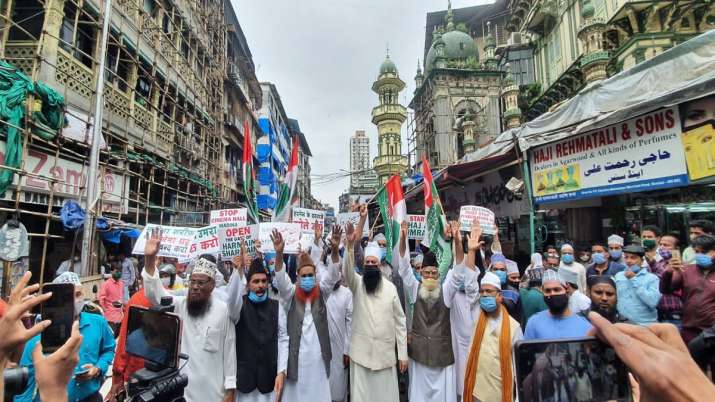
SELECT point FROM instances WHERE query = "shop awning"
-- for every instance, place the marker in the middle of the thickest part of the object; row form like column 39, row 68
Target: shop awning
column 683, row 73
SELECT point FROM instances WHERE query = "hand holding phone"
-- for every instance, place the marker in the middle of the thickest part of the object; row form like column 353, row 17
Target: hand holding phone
column 59, row 308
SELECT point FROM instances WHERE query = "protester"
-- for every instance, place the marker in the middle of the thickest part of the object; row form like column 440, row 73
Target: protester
column 552, row 260
column 416, row 262
column 96, row 352
column 531, row 297
column 340, row 312
column 309, row 337
column 378, row 326
column 111, row 296
column 558, row 321
column 670, row 307
column 510, row 293
column 638, row 289
column 208, row 335
column 129, row 276
column 615, row 249
column 430, row 350
column 584, row 255
column 261, row 333
column 578, row 302
column 697, row 282
column 602, row 263
column 696, row 228
column 461, row 294
column 167, row 274
column 493, row 341
column 568, row 263
column 602, row 291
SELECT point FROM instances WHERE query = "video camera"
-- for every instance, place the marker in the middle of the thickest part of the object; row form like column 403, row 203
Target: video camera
column 702, row 347
column 155, row 335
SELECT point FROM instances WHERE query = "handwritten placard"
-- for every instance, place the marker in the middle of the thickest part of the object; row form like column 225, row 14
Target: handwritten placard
column 289, row 231
column 308, row 219
column 416, row 229
column 468, row 214
column 354, row 217
column 176, row 241
column 206, row 241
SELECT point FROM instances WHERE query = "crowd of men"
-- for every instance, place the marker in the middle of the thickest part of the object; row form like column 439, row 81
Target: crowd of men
column 341, row 321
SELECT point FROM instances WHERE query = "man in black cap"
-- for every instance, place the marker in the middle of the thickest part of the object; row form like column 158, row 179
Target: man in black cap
column 261, row 334
column 602, row 291
column 637, row 289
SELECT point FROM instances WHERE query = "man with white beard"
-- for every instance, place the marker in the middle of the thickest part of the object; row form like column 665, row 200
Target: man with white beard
column 432, row 376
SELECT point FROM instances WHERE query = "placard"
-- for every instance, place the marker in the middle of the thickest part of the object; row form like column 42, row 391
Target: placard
column 640, row 154
column 469, row 213
column 176, row 241
column 206, row 241
column 354, row 217
column 308, row 219
column 231, row 238
column 290, row 232
column 416, row 228
column 229, row 217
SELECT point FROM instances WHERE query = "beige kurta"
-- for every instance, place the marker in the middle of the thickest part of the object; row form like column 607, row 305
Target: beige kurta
column 488, row 386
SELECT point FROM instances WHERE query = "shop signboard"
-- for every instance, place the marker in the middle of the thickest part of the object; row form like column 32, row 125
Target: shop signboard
column 641, row 154
column 70, row 177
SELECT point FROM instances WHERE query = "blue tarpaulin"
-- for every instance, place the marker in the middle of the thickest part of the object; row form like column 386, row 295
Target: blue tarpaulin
column 73, row 216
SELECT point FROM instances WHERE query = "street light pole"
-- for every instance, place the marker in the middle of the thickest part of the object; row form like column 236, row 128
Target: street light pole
column 93, row 171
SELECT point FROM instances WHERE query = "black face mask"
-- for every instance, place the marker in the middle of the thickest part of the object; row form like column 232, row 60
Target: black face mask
column 371, row 277
column 557, row 303
column 515, row 284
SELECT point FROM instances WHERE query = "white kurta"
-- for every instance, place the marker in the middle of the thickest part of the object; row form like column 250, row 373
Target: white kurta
column 209, row 340
column 579, row 302
column 579, row 270
column 312, row 383
column 340, row 311
column 235, row 290
column 463, row 313
column 373, row 385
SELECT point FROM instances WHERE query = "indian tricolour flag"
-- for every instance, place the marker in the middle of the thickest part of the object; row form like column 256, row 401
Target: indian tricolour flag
column 249, row 174
column 282, row 211
column 435, row 222
column 393, row 211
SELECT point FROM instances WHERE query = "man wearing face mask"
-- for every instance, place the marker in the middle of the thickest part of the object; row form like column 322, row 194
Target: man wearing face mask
column 167, row 274
column 261, row 334
column 584, row 255
column 697, row 282
column 430, row 348
column 490, row 371
column 558, row 321
column 309, row 351
column 615, row 249
column 650, row 236
column 568, row 263
column 510, row 292
column 378, row 326
column 110, row 296
column 670, row 307
column 95, row 354
column 638, row 289
column 602, row 263
column 696, row 228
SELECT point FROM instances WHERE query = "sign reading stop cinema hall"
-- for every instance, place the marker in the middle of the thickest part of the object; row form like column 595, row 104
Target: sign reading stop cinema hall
column 641, row 154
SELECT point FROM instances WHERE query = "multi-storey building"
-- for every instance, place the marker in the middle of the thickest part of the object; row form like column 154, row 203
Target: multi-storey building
column 363, row 180
column 303, row 195
column 162, row 125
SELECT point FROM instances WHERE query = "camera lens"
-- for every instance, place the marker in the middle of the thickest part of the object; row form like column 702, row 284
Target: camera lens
column 15, row 380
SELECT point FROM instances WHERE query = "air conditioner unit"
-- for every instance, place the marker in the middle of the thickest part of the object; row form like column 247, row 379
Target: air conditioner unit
column 514, row 39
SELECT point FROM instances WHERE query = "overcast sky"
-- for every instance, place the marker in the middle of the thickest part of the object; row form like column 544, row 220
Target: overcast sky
column 323, row 56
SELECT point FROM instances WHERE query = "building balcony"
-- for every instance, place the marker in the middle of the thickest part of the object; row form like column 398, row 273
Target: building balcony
column 390, row 111
column 542, row 15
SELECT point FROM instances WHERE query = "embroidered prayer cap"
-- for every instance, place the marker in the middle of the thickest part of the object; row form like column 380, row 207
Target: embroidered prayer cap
column 490, row 278
column 511, row 267
column 68, row 277
column 379, row 237
column 373, row 250
column 429, row 260
column 418, row 259
column 615, row 239
column 204, row 266
column 551, row 276
column 498, row 258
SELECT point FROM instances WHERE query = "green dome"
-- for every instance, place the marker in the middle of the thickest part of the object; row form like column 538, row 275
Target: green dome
column 388, row 66
column 457, row 46
column 587, row 11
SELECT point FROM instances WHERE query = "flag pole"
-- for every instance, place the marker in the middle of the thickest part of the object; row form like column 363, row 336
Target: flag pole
column 92, row 172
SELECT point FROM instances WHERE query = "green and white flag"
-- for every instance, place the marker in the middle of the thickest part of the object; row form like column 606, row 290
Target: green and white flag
column 393, row 211
column 435, row 222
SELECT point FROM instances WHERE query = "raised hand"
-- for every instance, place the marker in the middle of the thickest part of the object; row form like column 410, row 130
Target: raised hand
column 153, row 242
column 456, row 232
column 363, row 210
column 448, row 231
column 278, row 242
column 350, row 235
column 404, row 228
column 54, row 372
column 335, row 236
column 473, row 242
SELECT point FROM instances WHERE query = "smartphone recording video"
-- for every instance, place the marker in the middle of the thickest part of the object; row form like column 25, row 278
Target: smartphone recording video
column 154, row 336
column 59, row 308
column 583, row 369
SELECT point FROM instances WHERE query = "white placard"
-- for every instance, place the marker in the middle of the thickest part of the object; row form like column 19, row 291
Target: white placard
column 176, row 241
column 417, row 226
column 206, row 241
column 354, row 217
column 231, row 240
column 235, row 217
column 289, row 231
column 308, row 219
column 469, row 213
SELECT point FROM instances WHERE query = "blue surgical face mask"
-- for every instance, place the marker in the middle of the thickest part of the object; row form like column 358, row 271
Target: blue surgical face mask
column 307, row 283
column 599, row 258
column 634, row 268
column 488, row 303
column 272, row 268
column 501, row 275
column 252, row 296
column 567, row 259
column 616, row 254
column 703, row 260
column 383, row 253
column 418, row 276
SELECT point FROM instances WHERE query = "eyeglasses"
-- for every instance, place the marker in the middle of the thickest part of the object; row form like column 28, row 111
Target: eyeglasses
column 197, row 283
column 430, row 274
